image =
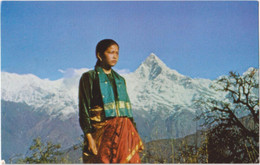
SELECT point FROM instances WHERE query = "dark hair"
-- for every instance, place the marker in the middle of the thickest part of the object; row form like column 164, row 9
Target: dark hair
column 102, row 47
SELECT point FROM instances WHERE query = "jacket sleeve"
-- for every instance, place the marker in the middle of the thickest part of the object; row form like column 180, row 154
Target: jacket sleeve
column 84, row 103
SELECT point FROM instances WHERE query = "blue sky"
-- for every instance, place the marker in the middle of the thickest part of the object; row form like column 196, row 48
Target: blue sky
column 198, row 39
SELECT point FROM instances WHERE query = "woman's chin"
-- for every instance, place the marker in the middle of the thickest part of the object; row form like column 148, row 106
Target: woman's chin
column 111, row 65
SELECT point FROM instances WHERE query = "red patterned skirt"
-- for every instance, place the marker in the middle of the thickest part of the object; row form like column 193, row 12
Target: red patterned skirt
column 117, row 141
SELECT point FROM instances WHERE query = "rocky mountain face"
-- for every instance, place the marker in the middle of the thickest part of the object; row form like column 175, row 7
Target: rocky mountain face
column 162, row 101
column 20, row 125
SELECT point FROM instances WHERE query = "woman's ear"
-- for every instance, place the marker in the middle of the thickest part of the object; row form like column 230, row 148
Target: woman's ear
column 98, row 56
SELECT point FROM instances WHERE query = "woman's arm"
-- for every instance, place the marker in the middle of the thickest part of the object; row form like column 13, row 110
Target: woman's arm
column 85, row 86
column 91, row 144
column 84, row 103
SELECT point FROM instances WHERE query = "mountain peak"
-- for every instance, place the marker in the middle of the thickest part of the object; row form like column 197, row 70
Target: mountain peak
column 151, row 67
column 152, row 59
column 153, row 56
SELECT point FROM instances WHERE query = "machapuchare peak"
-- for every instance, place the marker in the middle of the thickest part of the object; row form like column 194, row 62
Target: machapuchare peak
column 152, row 60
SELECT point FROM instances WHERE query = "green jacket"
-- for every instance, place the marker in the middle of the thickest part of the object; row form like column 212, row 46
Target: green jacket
column 89, row 97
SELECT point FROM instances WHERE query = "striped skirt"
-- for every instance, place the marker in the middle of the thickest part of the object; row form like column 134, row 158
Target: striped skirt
column 117, row 141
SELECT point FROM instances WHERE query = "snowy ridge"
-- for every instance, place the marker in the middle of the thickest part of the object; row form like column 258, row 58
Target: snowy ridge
column 152, row 87
column 155, row 85
column 56, row 98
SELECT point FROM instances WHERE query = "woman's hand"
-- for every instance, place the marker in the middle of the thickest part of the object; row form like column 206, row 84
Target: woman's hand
column 91, row 144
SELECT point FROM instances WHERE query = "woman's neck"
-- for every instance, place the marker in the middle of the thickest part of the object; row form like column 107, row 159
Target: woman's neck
column 106, row 69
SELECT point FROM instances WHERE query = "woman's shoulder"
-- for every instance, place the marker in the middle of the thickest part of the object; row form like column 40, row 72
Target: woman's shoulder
column 118, row 75
column 89, row 74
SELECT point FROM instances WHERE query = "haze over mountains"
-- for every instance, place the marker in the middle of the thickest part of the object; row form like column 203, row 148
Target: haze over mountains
column 162, row 101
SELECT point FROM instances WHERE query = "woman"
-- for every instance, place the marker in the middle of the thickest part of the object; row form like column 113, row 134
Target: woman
column 105, row 113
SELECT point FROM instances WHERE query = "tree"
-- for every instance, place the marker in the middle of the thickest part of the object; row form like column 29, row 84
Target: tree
column 231, row 138
column 43, row 153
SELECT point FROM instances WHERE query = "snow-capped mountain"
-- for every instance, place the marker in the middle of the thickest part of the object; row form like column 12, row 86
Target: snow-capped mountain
column 152, row 85
column 162, row 101
column 56, row 98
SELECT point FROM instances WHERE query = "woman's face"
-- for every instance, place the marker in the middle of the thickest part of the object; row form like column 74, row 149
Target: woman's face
column 110, row 57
